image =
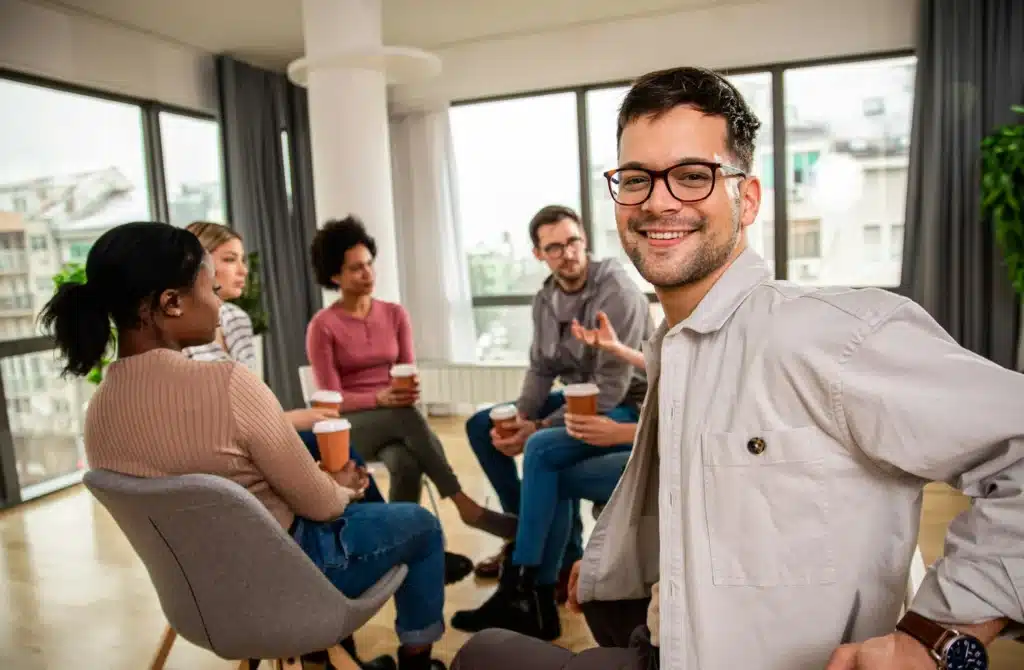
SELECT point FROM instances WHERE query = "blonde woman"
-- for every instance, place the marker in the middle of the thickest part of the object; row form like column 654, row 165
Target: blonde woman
column 234, row 336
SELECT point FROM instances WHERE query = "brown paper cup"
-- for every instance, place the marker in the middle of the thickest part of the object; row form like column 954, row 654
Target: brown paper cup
column 581, row 399
column 404, row 377
column 504, row 419
column 332, row 437
column 326, row 400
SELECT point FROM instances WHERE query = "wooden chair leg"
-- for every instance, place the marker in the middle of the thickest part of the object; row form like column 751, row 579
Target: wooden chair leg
column 288, row 664
column 164, row 650
column 248, row 664
column 340, row 658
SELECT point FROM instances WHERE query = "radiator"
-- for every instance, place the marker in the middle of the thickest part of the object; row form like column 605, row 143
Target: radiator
column 463, row 387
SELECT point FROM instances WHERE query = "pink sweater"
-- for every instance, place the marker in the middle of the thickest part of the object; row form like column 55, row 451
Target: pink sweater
column 353, row 355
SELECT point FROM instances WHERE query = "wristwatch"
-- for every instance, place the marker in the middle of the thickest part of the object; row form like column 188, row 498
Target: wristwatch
column 951, row 649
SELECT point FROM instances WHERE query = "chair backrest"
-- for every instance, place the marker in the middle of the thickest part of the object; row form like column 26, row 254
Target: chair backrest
column 308, row 383
column 228, row 577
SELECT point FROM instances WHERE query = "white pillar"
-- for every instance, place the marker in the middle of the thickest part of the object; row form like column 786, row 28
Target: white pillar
column 349, row 123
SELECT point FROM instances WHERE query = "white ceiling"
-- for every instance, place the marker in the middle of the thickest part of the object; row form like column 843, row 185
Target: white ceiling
column 269, row 32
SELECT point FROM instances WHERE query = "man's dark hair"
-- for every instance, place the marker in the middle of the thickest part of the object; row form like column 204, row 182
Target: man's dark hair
column 550, row 215
column 330, row 244
column 659, row 92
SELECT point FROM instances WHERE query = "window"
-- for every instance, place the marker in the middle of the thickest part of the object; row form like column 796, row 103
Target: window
column 76, row 165
column 503, row 333
column 896, row 242
column 872, row 243
column 849, row 137
column 602, row 113
column 512, row 157
column 192, row 168
column 805, row 239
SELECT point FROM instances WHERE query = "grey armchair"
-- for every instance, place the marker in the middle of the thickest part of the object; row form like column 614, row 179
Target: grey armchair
column 229, row 579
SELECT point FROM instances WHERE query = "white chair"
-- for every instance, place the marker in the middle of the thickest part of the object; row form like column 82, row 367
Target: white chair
column 308, row 384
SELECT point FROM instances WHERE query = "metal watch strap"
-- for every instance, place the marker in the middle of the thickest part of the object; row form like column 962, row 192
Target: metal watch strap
column 932, row 635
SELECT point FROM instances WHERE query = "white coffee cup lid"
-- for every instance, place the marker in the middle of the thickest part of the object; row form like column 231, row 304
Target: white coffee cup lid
column 331, row 426
column 579, row 390
column 403, row 370
column 504, row 412
column 326, row 396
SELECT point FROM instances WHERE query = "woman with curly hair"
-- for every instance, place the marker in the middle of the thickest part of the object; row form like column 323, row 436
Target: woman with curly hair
column 352, row 345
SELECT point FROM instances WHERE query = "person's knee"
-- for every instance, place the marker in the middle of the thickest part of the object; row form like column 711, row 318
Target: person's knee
column 419, row 522
column 495, row 649
column 478, row 429
column 540, row 445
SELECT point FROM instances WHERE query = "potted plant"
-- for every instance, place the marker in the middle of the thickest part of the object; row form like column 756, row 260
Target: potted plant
column 74, row 273
column 251, row 302
column 1002, row 198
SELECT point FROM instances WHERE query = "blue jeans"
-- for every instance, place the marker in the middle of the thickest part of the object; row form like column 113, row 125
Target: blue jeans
column 501, row 469
column 373, row 493
column 558, row 470
column 504, row 478
column 593, row 479
column 355, row 550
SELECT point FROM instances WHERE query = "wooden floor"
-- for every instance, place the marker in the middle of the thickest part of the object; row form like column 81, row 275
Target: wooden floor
column 73, row 594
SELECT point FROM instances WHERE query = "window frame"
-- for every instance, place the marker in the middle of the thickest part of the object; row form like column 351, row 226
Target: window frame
column 10, row 487
column 779, row 148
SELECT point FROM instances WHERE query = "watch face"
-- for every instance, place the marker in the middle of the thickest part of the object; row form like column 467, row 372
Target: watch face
column 966, row 653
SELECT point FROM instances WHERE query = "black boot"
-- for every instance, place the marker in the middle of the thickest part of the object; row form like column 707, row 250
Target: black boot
column 421, row 661
column 519, row 604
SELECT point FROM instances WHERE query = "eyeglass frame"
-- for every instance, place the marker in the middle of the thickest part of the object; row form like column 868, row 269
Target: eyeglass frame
column 728, row 171
column 548, row 249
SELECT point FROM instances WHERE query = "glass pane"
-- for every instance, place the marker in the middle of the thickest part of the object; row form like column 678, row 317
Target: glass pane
column 72, row 167
column 45, row 414
column 848, row 140
column 602, row 112
column 192, row 169
column 503, row 333
column 512, row 157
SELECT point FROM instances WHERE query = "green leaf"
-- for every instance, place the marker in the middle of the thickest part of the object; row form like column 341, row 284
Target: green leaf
column 1002, row 194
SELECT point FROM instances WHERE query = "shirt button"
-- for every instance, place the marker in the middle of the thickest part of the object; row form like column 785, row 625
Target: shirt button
column 756, row 446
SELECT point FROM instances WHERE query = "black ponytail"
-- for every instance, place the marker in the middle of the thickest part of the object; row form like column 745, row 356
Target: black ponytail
column 80, row 324
column 127, row 269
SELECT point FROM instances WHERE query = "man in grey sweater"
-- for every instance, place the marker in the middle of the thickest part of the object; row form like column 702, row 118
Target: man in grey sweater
column 579, row 289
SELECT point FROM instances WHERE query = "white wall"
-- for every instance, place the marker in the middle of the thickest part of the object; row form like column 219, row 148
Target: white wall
column 758, row 32
column 70, row 47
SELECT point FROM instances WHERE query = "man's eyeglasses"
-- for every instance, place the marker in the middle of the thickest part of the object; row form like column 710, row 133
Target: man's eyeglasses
column 556, row 250
column 691, row 181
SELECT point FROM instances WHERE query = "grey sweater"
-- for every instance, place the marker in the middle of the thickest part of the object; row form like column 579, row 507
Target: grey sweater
column 556, row 354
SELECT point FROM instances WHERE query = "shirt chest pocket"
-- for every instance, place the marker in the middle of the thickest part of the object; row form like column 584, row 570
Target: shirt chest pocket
column 767, row 507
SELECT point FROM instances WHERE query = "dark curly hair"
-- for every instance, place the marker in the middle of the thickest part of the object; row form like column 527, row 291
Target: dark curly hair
column 330, row 244
column 657, row 93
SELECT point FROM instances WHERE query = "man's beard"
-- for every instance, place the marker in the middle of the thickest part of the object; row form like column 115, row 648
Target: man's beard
column 708, row 257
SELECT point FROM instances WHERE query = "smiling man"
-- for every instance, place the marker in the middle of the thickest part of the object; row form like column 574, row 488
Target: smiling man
column 774, row 491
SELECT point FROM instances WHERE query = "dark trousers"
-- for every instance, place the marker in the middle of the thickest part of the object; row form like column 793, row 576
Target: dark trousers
column 619, row 627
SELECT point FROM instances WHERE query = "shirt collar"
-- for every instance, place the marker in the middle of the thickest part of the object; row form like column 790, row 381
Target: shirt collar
column 742, row 276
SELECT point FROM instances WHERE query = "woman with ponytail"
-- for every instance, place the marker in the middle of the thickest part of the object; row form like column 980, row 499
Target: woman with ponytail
column 158, row 413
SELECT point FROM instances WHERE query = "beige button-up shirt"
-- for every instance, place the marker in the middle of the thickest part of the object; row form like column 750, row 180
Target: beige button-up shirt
column 775, row 486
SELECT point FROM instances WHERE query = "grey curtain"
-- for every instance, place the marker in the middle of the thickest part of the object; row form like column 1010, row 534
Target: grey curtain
column 970, row 71
column 256, row 107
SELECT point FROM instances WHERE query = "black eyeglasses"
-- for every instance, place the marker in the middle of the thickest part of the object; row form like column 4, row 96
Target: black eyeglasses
column 690, row 181
column 556, row 250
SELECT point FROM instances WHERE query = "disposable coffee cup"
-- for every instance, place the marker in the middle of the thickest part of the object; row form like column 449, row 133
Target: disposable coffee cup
column 504, row 419
column 326, row 400
column 581, row 399
column 403, row 376
column 332, row 437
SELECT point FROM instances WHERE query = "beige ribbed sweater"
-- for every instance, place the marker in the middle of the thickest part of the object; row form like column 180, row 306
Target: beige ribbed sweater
column 159, row 413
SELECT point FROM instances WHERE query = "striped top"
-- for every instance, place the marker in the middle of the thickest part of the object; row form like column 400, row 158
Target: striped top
column 159, row 414
column 236, row 328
